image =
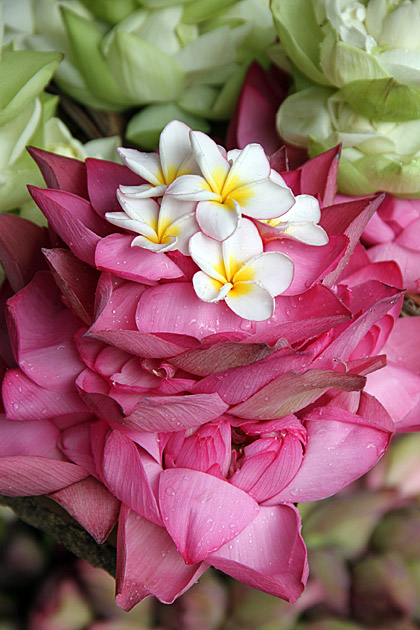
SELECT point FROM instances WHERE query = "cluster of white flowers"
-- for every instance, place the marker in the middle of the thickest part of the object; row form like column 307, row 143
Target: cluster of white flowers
column 196, row 202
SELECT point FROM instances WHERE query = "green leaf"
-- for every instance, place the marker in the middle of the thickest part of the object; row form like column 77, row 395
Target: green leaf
column 384, row 100
column 145, row 127
column 300, row 35
column 23, row 75
column 85, row 39
column 145, row 73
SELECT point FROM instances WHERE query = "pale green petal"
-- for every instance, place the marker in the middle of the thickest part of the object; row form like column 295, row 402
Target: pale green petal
column 300, row 35
column 144, row 72
column 103, row 148
column 343, row 63
column 382, row 99
column 58, row 139
column 145, row 127
column 400, row 28
column 85, row 39
column 111, row 11
column 159, row 4
column 29, row 210
column 228, row 95
column 392, row 176
column 200, row 10
column 404, row 65
column 305, row 114
column 158, row 28
column 209, row 51
column 17, row 133
column 23, row 75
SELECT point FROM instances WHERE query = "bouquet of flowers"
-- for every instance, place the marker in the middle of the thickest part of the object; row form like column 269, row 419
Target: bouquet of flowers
column 186, row 350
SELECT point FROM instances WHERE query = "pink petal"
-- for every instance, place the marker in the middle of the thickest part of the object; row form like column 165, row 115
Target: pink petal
column 103, row 180
column 311, row 264
column 116, row 304
column 23, row 475
column 20, row 249
column 348, row 444
column 403, row 346
column 290, row 392
column 148, row 563
column 91, row 505
column 25, row 400
column 156, row 413
column 349, row 219
column 408, row 260
column 265, row 474
column 75, row 443
column 33, row 438
column 144, row 345
column 73, row 219
column 269, row 554
column 319, row 176
column 76, row 281
column 255, row 115
column 115, row 254
column 124, row 475
column 201, row 512
column 61, row 172
column 43, row 345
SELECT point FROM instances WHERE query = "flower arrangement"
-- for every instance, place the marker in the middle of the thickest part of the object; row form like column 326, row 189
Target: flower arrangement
column 186, row 352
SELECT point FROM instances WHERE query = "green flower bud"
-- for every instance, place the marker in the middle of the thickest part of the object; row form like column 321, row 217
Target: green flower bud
column 190, row 55
column 376, row 155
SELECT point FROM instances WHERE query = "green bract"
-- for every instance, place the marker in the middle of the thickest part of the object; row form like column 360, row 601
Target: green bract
column 165, row 55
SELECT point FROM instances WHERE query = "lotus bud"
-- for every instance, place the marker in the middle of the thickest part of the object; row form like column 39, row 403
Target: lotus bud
column 188, row 56
column 375, row 155
column 383, row 590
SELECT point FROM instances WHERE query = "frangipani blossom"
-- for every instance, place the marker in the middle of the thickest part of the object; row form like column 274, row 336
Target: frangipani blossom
column 175, row 158
column 163, row 227
column 240, row 183
column 238, row 272
column 300, row 223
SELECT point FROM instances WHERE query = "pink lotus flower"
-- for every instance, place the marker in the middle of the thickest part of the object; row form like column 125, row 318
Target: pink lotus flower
column 128, row 396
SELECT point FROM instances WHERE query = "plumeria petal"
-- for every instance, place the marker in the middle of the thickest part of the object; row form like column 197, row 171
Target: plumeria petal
column 192, row 188
column 274, row 271
column 170, row 244
column 217, row 220
column 264, row 199
column 174, row 148
column 145, row 210
column 243, row 245
column 308, row 233
column 120, row 219
column 147, row 165
column 143, row 191
column 250, row 165
column 306, row 208
column 209, row 289
column 250, row 301
column 213, row 165
column 207, row 254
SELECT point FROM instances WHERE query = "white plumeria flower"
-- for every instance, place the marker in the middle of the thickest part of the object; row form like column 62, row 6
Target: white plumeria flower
column 301, row 222
column 241, row 183
column 238, row 271
column 175, row 158
column 162, row 227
